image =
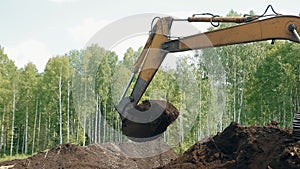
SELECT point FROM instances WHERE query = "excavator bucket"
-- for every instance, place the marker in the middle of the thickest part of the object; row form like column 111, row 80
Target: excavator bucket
column 147, row 120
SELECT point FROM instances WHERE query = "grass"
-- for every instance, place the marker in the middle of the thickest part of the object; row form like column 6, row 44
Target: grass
column 17, row 156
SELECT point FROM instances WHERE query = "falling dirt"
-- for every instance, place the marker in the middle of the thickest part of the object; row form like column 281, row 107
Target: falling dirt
column 236, row 147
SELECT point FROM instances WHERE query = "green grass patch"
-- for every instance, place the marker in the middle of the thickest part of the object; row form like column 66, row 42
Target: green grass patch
column 17, row 156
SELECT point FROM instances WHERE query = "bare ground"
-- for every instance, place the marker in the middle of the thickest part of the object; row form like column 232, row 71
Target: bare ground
column 237, row 146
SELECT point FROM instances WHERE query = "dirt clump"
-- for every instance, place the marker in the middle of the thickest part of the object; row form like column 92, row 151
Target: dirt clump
column 243, row 147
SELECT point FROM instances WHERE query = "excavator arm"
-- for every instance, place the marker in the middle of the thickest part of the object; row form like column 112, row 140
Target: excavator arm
column 149, row 122
column 278, row 27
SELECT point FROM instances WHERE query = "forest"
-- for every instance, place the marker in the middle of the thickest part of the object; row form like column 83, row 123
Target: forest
column 73, row 100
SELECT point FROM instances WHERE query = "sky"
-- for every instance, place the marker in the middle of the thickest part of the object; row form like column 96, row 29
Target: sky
column 36, row 30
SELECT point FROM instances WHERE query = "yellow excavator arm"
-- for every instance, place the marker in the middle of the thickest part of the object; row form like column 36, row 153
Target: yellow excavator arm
column 149, row 122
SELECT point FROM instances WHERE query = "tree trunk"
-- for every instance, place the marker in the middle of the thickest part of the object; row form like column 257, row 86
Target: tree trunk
column 34, row 126
column 261, row 105
column 110, row 129
column 78, row 125
column 48, row 135
column 18, row 142
column 181, row 119
column 84, row 128
column 208, row 130
column 23, row 141
column 13, row 124
column 241, row 99
column 2, row 129
column 68, row 113
column 234, row 90
column 60, row 108
column 39, row 129
column 104, row 123
column 279, row 111
column 100, row 122
column 91, row 139
column 293, row 108
column 26, row 130
column 200, row 110
column 84, row 111
column 284, row 115
column 268, row 108
column 96, row 120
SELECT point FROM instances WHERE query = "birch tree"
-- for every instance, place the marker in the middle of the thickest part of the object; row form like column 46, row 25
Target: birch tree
column 13, row 123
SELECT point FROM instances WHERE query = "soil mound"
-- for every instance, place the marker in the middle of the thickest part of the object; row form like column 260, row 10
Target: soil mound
column 243, row 147
column 104, row 156
column 236, row 147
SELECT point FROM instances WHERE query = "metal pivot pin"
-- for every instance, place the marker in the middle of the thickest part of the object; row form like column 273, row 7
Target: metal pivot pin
column 292, row 28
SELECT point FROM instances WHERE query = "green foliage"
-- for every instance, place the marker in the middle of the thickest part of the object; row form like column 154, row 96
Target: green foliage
column 277, row 83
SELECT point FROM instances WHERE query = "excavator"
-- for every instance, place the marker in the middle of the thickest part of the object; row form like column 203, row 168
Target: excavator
column 149, row 119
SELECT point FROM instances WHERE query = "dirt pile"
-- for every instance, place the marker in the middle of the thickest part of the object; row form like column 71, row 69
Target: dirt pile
column 236, row 147
column 243, row 147
column 104, row 156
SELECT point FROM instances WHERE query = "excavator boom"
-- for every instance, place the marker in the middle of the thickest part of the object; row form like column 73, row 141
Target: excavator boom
column 267, row 29
column 136, row 120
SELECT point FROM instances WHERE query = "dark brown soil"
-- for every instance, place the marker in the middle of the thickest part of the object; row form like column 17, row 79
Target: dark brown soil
column 163, row 114
column 104, row 156
column 236, row 147
column 243, row 147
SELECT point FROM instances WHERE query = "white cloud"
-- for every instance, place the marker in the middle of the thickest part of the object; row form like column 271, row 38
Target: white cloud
column 30, row 50
column 86, row 29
